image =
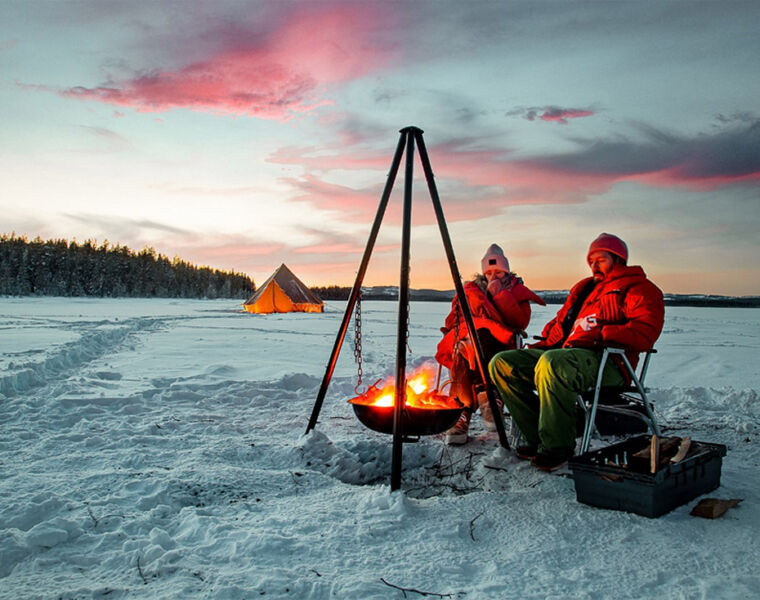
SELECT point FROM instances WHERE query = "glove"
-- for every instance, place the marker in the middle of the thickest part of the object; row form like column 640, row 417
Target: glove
column 586, row 323
column 500, row 284
column 465, row 349
column 463, row 346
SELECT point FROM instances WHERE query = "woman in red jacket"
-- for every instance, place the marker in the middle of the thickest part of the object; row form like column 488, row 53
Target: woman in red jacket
column 500, row 307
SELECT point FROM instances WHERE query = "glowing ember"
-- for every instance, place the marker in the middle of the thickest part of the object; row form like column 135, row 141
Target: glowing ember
column 420, row 392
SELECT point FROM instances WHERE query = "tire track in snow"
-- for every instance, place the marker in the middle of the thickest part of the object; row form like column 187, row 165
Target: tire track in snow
column 71, row 357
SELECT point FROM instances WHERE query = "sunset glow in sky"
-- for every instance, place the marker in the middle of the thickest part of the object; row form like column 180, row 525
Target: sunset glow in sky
column 242, row 135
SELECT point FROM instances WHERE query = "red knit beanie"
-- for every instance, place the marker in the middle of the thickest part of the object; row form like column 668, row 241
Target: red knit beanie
column 609, row 243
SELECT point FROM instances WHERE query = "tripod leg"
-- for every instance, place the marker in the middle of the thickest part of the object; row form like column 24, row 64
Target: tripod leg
column 358, row 283
column 479, row 355
column 403, row 316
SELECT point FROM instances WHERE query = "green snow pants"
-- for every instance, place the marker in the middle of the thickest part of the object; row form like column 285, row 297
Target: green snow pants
column 547, row 420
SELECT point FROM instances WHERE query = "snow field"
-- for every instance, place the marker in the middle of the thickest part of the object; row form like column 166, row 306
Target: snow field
column 156, row 449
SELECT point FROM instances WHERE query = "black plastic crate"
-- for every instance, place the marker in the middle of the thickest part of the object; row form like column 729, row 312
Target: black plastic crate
column 609, row 486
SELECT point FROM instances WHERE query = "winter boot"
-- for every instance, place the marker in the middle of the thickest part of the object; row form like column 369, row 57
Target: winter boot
column 485, row 410
column 526, row 452
column 457, row 435
column 551, row 461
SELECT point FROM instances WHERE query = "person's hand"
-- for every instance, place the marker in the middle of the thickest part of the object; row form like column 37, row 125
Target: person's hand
column 494, row 286
column 586, row 323
column 499, row 284
column 462, row 346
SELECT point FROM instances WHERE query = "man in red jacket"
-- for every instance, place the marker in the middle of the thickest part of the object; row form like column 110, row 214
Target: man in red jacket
column 617, row 306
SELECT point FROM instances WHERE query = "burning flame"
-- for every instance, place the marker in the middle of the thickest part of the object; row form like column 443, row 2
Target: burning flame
column 420, row 392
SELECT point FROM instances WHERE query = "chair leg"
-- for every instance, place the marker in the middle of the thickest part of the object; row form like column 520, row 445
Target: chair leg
column 591, row 413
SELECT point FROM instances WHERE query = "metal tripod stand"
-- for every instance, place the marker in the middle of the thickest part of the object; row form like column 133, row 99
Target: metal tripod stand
column 409, row 136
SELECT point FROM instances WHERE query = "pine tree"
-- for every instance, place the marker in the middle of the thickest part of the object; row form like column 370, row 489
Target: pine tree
column 62, row 268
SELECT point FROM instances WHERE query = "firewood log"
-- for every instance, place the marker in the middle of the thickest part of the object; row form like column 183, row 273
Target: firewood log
column 654, row 454
column 683, row 450
column 712, row 508
column 668, row 446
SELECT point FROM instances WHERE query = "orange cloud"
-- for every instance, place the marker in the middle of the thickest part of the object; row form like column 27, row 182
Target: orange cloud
column 305, row 157
column 283, row 74
column 342, row 248
column 330, row 248
column 237, row 256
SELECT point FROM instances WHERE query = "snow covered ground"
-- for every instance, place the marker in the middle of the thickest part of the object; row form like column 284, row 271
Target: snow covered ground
column 156, row 449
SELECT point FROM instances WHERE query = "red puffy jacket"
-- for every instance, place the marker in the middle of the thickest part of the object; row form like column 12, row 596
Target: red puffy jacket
column 628, row 308
column 503, row 315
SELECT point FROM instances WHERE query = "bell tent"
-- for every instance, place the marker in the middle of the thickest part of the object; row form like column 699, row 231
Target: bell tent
column 283, row 292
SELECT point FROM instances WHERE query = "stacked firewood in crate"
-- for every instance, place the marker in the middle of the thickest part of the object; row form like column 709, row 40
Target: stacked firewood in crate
column 654, row 454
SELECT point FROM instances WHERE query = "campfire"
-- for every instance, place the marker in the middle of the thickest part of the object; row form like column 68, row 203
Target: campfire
column 420, row 392
column 426, row 410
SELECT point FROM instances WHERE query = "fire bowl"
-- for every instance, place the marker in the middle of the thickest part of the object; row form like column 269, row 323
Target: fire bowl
column 414, row 420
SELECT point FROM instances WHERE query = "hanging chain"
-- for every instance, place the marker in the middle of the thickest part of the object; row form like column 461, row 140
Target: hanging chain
column 358, row 342
column 408, row 347
column 457, row 322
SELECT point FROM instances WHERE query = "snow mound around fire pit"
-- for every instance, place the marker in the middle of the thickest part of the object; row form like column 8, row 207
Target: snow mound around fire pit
column 357, row 461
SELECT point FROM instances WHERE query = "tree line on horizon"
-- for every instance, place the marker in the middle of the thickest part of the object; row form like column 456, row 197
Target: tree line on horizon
column 69, row 268
column 335, row 292
column 332, row 292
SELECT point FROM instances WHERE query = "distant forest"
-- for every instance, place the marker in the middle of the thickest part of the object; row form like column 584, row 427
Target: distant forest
column 335, row 292
column 63, row 268
column 332, row 292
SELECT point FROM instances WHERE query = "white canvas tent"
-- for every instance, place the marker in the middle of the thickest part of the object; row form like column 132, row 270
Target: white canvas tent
column 283, row 292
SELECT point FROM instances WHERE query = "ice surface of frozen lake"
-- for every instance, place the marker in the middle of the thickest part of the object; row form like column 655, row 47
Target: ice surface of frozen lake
column 155, row 449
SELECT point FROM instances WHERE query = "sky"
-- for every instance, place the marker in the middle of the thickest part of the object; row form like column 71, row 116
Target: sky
column 242, row 135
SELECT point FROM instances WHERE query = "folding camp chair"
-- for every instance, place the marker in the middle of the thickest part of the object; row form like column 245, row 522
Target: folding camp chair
column 629, row 403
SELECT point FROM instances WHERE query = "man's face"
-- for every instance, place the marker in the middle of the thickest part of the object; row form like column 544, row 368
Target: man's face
column 601, row 264
column 492, row 274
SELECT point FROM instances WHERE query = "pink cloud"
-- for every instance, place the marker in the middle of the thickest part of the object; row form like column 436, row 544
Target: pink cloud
column 360, row 204
column 473, row 183
column 554, row 114
column 479, row 182
column 676, row 177
column 285, row 73
column 560, row 115
column 493, row 167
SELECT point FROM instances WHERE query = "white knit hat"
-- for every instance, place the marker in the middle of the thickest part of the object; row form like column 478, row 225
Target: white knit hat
column 494, row 258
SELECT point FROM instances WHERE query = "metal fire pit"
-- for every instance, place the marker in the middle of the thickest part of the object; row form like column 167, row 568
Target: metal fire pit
column 415, row 420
